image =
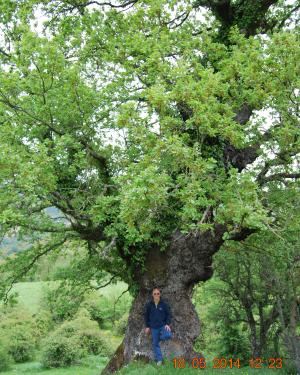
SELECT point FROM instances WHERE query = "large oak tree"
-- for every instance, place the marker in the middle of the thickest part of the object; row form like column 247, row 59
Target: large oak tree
column 142, row 122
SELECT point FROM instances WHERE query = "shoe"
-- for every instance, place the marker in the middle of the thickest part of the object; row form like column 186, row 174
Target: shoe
column 159, row 363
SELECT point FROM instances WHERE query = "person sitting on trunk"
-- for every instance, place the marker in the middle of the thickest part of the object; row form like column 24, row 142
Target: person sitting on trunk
column 157, row 320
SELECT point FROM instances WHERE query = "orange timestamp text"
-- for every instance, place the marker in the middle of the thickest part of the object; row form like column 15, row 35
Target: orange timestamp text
column 199, row 362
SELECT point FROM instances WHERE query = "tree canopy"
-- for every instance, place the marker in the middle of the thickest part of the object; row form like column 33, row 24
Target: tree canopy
column 138, row 118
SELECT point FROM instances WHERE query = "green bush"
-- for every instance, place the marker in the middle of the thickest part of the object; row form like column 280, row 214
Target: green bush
column 62, row 301
column 61, row 351
column 88, row 333
column 121, row 325
column 106, row 311
column 21, row 344
column 5, row 358
column 99, row 309
column 232, row 343
column 94, row 343
column 73, row 340
column 44, row 324
column 17, row 329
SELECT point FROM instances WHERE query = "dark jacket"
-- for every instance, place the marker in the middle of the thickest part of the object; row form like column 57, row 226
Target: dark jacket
column 157, row 316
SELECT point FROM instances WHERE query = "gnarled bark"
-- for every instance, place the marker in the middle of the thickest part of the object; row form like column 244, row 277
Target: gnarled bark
column 187, row 261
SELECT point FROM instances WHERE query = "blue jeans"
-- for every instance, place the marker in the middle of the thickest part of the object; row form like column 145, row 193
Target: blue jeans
column 155, row 333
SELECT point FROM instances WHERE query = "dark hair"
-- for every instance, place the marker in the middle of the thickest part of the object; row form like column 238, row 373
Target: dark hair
column 156, row 287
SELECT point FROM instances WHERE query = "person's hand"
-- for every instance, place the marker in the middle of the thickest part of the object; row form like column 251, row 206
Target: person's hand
column 167, row 327
column 147, row 330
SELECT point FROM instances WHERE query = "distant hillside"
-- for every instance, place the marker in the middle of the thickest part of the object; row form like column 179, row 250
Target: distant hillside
column 10, row 245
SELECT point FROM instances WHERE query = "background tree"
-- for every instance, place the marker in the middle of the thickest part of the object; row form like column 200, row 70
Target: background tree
column 140, row 123
column 255, row 291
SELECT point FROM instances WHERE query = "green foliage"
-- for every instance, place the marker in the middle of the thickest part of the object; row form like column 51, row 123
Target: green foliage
column 5, row 358
column 257, row 279
column 241, row 204
column 44, row 323
column 126, row 122
column 87, row 366
column 62, row 302
column 61, row 351
column 233, row 343
column 73, row 340
column 107, row 308
column 170, row 98
column 142, row 203
column 19, row 331
column 121, row 325
column 63, row 299
column 100, row 310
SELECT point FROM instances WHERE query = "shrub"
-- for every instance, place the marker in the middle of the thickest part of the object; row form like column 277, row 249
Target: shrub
column 88, row 333
column 21, row 344
column 94, row 343
column 61, row 351
column 5, row 358
column 121, row 325
column 44, row 323
column 233, row 342
column 106, row 311
column 100, row 310
column 17, row 329
column 62, row 302
column 73, row 340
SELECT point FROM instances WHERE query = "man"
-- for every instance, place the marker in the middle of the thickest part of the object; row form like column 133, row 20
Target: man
column 157, row 320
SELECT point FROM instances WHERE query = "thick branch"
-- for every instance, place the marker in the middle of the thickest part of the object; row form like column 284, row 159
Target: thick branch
column 248, row 16
column 86, row 232
column 282, row 158
column 241, row 158
column 46, row 229
column 105, row 284
column 289, row 14
column 242, row 234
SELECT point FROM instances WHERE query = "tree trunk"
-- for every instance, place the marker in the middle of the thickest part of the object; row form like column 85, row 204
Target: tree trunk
column 187, row 261
column 276, row 343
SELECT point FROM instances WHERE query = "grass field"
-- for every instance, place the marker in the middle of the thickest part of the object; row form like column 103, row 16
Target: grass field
column 92, row 365
column 31, row 292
